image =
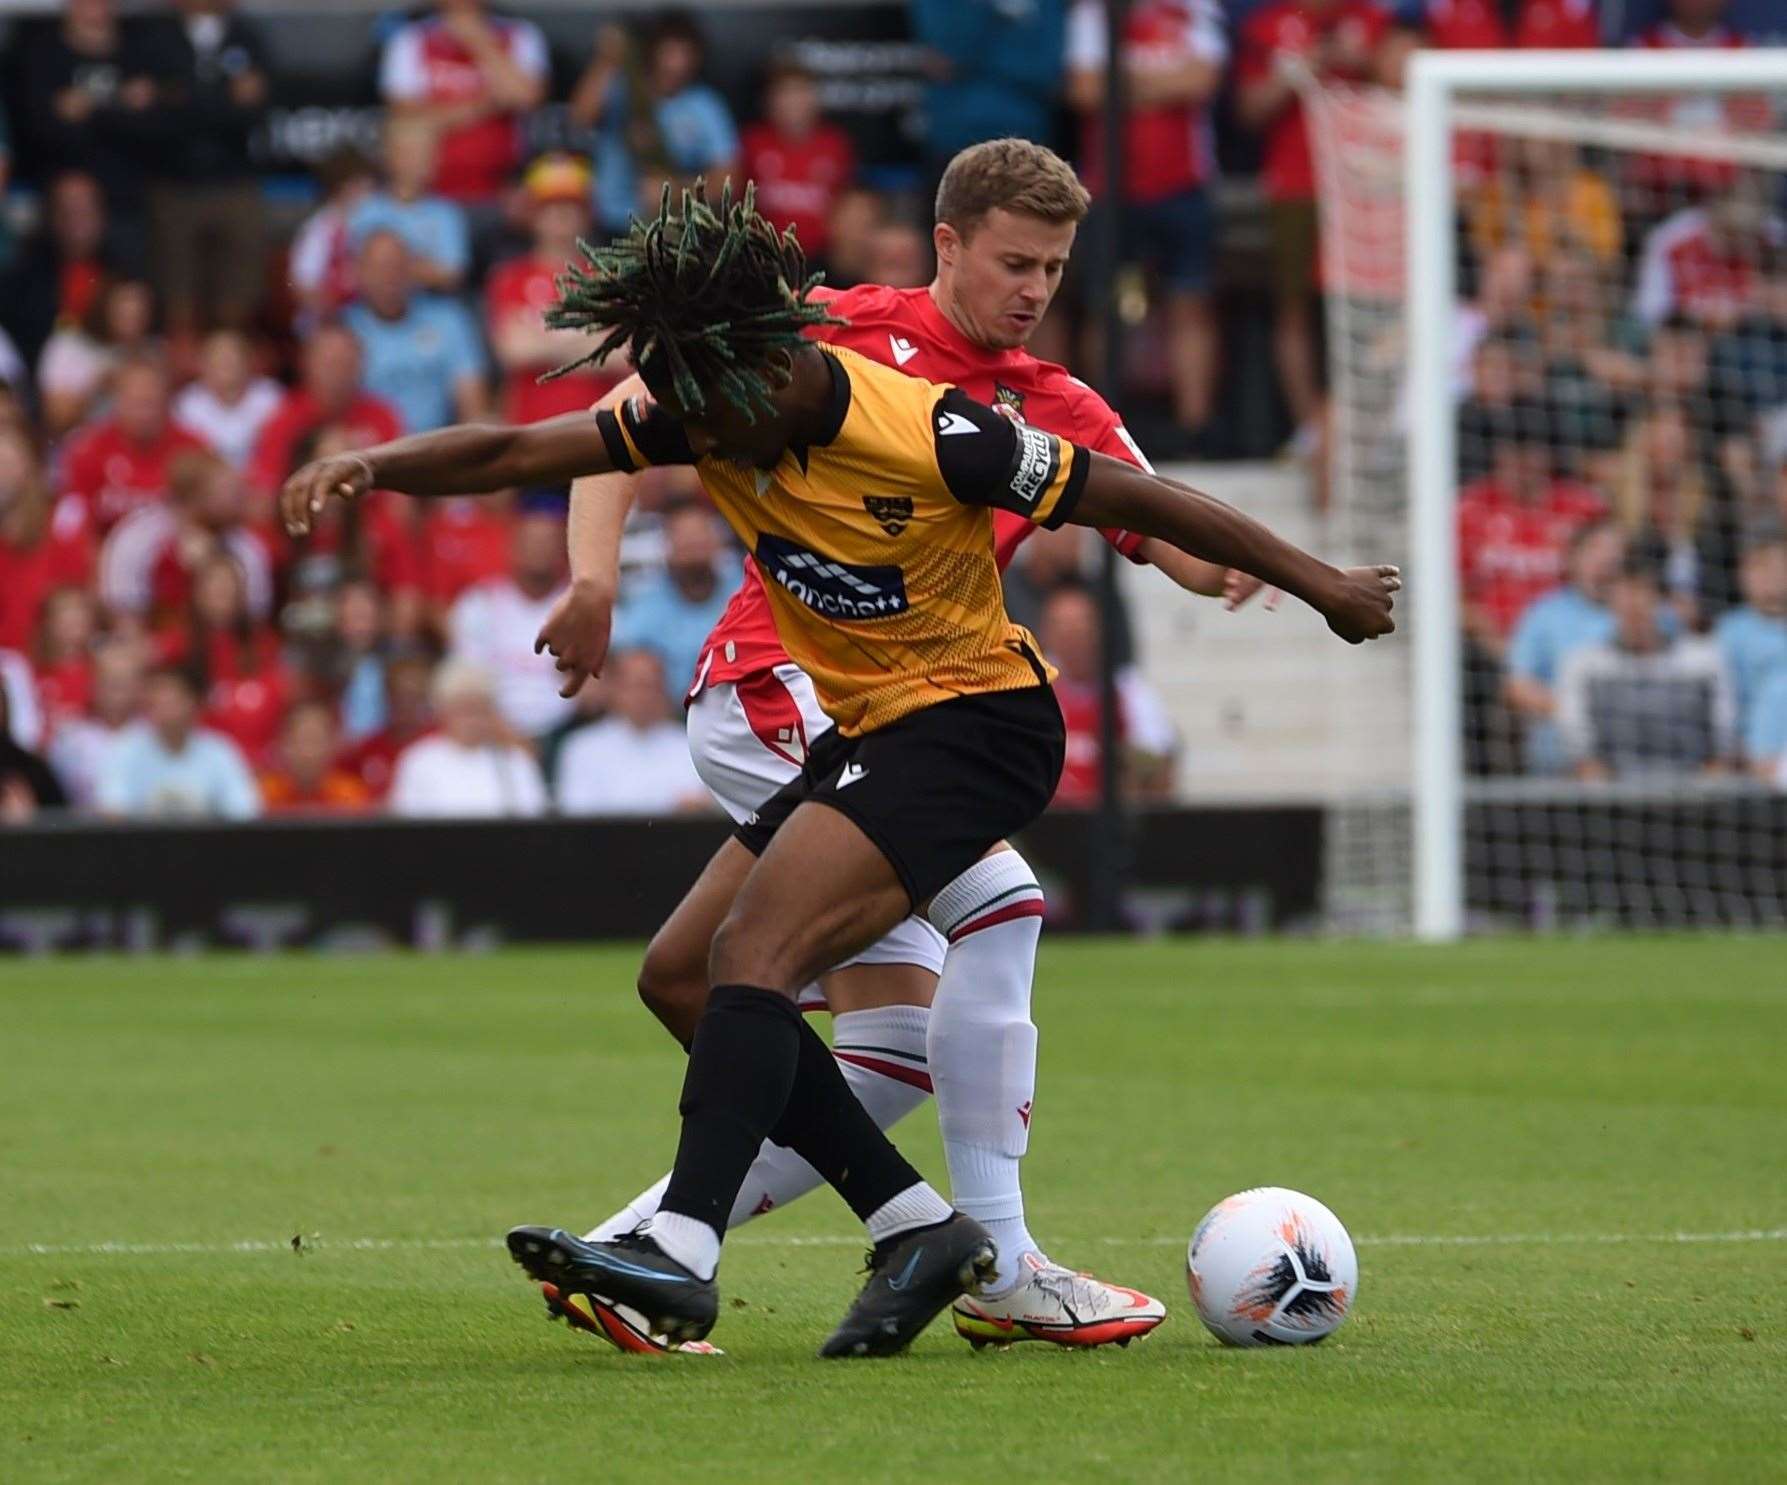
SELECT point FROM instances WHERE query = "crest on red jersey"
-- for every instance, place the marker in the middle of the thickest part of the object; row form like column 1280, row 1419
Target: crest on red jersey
column 1004, row 396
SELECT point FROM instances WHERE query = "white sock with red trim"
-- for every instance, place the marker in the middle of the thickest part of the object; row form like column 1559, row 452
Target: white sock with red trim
column 983, row 1045
column 882, row 1054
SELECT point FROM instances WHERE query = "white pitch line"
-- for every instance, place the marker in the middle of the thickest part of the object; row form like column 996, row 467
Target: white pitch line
column 386, row 1245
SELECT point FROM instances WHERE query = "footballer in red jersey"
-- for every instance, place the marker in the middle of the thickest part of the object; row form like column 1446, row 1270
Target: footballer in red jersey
column 1007, row 214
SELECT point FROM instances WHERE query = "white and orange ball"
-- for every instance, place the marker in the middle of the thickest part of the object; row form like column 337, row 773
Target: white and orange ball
column 1272, row 1267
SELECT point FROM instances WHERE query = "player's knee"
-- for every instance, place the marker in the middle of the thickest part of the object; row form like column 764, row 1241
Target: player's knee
column 672, row 984
column 743, row 954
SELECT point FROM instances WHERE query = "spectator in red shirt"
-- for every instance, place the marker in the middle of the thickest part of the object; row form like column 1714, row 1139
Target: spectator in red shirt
column 1487, row 25
column 470, row 75
column 1337, row 40
column 305, row 780
column 320, row 265
column 147, row 564
column 373, row 760
column 43, row 546
column 367, row 539
column 1070, row 636
column 1174, row 52
column 1711, row 264
column 1514, row 525
column 125, row 461
column 463, row 542
column 1666, row 181
column 67, row 634
column 74, row 373
column 234, row 662
column 328, row 395
column 800, row 161
column 557, row 192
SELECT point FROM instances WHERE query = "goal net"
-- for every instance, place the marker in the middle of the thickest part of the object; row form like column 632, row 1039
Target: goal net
column 1557, row 311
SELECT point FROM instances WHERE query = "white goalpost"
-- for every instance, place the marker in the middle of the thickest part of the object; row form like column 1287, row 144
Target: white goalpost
column 1407, row 183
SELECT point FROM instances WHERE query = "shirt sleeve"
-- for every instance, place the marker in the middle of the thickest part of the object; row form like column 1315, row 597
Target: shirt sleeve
column 238, row 796
column 528, row 50
column 467, row 348
column 401, row 76
column 1085, row 36
column 1116, row 441
column 1575, row 724
column 449, row 242
column 1528, row 653
column 720, row 134
column 1765, row 733
column 986, row 458
column 1205, row 37
column 640, row 435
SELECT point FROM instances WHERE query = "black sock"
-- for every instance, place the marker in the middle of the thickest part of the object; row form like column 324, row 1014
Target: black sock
column 826, row 1125
column 741, row 1067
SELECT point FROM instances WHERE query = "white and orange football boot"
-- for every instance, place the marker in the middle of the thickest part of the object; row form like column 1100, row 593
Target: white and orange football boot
column 1055, row 1304
column 623, row 1328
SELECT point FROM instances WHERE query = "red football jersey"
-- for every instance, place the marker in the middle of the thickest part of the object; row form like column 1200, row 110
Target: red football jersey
column 463, row 542
column 424, row 62
column 1511, row 550
column 531, row 284
column 1288, row 26
column 28, row 575
column 1737, row 113
column 1169, row 148
column 903, row 328
column 112, row 475
column 368, row 420
column 248, row 693
column 1482, row 25
column 798, row 179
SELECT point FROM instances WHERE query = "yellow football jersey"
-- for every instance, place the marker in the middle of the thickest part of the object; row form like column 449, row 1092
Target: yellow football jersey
column 875, row 543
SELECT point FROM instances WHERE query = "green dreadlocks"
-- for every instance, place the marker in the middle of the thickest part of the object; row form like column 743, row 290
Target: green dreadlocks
column 719, row 296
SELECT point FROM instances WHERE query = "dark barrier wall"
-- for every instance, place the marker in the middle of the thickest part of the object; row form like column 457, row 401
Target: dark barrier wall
column 470, row 885
column 1629, row 863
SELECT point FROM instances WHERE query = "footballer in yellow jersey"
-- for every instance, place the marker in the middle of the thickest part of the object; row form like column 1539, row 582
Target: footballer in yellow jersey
column 875, row 542
column 948, row 740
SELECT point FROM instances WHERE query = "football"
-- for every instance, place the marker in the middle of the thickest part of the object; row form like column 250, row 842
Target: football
column 1271, row 1267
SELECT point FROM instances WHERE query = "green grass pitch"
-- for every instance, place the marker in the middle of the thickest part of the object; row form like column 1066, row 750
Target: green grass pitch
column 1565, row 1164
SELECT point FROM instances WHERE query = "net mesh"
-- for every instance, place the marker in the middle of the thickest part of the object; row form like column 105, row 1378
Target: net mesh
column 1618, row 377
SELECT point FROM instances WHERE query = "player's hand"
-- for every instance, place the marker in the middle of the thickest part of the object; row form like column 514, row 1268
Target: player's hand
column 1359, row 606
column 301, row 500
column 576, row 634
column 1238, row 588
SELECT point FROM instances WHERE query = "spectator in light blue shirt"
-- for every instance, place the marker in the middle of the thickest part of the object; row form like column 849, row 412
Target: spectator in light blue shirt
column 999, row 66
column 1553, row 628
column 671, row 612
column 432, row 227
column 1765, row 731
column 685, row 130
column 173, row 768
column 1754, row 637
column 421, row 352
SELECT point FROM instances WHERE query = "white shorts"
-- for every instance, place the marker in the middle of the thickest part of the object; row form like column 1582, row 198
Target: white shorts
column 749, row 739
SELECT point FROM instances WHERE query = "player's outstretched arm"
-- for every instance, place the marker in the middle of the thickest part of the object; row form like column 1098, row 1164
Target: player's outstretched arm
column 471, row 460
column 577, row 631
column 1355, row 601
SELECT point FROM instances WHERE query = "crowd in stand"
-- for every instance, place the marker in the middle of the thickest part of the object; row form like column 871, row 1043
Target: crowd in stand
column 166, row 360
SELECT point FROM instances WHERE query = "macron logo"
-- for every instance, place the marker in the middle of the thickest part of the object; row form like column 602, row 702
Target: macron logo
column 903, row 349
column 955, row 423
column 852, row 772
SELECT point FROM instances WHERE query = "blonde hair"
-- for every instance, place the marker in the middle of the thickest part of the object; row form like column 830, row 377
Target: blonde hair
column 1636, row 472
column 1013, row 175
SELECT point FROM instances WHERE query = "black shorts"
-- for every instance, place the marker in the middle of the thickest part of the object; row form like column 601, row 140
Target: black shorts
column 935, row 789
